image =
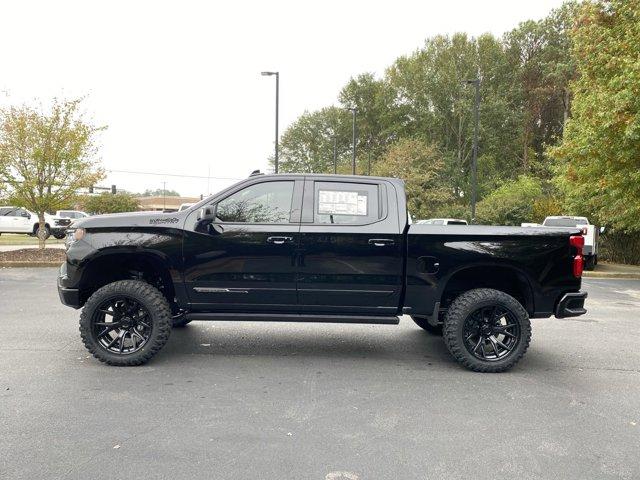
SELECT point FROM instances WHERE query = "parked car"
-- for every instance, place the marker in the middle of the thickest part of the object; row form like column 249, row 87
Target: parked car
column 62, row 219
column 20, row 220
column 442, row 221
column 316, row 248
column 591, row 235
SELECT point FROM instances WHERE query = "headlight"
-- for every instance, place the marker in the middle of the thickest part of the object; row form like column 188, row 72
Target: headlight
column 73, row 235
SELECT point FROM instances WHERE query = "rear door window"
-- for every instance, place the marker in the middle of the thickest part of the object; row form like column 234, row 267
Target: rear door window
column 346, row 203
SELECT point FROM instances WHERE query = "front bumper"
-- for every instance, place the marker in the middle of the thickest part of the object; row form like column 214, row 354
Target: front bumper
column 68, row 296
column 571, row 305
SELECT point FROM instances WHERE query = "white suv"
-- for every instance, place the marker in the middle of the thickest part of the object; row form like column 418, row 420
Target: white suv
column 21, row 220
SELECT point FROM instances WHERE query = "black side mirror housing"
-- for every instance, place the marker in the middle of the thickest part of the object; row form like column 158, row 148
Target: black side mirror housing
column 206, row 213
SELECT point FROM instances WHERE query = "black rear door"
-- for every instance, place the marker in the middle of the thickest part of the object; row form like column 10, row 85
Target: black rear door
column 351, row 247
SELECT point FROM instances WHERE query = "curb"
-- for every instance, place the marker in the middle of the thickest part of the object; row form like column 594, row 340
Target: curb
column 605, row 275
column 29, row 264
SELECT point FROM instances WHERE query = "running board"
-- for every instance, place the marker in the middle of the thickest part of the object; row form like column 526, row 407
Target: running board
column 293, row 317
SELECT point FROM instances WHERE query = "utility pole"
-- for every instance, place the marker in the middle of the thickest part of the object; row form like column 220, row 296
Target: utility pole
column 474, row 158
column 277, row 74
column 354, row 110
column 164, row 196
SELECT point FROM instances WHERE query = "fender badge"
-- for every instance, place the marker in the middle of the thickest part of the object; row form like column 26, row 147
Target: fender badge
column 161, row 221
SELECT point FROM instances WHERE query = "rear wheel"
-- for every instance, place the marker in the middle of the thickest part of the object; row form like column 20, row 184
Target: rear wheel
column 423, row 323
column 590, row 262
column 487, row 330
column 125, row 323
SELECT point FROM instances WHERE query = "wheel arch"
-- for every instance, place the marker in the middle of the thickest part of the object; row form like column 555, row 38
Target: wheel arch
column 126, row 264
column 506, row 278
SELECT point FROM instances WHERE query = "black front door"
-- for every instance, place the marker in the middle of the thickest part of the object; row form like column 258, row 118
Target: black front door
column 351, row 248
column 244, row 258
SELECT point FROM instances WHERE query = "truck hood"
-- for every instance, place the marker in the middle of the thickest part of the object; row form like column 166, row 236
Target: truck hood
column 133, row 219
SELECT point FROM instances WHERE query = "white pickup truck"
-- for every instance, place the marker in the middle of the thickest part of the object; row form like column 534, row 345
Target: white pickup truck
column 590, row 232
column 21, row 220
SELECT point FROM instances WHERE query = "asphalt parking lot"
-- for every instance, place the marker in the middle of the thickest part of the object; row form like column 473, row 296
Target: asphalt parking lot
column 292, row 401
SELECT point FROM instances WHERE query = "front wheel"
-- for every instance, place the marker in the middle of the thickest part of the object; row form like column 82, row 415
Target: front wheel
column 125, row 323
column 46, row 232
column 487, row 330
column 59, row 236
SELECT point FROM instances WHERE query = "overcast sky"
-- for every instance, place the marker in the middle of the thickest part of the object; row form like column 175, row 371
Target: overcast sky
column 178, row 83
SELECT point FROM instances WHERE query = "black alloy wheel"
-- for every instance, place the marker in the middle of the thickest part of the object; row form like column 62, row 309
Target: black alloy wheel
column 491, row 333
column 121, row 325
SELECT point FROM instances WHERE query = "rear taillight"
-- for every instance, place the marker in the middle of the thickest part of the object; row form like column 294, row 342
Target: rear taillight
column 584, row 230
column 577, row 242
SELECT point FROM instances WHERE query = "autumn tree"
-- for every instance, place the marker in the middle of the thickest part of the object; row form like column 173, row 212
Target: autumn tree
column 600, row 151
column 47, row 155
column 421, row 167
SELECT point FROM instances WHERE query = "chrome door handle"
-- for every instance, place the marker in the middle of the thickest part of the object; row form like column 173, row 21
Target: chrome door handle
column 279, row 240
column 381, row 242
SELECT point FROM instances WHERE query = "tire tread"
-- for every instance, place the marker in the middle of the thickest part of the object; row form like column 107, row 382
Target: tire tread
column 455, row 315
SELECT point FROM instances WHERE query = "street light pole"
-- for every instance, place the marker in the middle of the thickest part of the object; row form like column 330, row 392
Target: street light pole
column 474, row 157
column 277, row 74
column 354, row 139
column 335, row 153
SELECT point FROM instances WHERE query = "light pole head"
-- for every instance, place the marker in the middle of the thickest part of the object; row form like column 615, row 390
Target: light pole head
column 267, row 74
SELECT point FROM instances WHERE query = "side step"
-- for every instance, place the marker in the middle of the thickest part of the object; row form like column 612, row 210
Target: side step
column 293, row 317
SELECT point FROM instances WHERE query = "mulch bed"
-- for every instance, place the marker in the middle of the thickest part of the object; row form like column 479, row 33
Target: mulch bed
column 33, row 255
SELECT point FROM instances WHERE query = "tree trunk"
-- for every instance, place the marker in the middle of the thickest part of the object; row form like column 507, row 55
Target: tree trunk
column 566, row 100
column 42, row 231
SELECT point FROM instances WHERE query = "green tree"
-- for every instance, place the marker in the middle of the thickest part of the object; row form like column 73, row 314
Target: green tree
column 421, row 167
column 46, row 156
column 541, row 67
column 110, row 203
column 511, row 204
column 600, row 151
column 307, row 145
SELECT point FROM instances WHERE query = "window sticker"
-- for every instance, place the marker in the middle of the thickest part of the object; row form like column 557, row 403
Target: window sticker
column 331, row 202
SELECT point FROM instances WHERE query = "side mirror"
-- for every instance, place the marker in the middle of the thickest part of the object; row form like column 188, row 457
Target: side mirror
column 602, row 229
column 26, row 214
column 206, row 213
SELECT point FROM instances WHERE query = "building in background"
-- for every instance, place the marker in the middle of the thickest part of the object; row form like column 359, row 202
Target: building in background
column 167, row 204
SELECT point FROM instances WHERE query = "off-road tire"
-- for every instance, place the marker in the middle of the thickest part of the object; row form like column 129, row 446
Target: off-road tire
column 179, row 322
column 467, row 303
column 47, row 231
column 423, row 323
column 153, row 301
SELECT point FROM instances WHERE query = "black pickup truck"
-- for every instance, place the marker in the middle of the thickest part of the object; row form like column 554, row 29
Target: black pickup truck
column 316, row 248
